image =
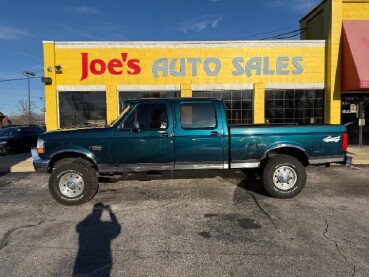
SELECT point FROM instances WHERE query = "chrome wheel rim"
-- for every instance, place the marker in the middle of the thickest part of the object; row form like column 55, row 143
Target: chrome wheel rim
column 71, row 185
column 284, row 177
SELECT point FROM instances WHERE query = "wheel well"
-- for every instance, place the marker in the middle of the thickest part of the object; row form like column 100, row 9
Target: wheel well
column 67, row 155
column 291, row 151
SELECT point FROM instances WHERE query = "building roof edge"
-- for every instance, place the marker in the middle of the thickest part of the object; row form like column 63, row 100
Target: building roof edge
column 312, row 10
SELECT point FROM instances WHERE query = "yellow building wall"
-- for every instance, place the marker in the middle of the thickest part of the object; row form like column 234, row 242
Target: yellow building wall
column 259, row 103
column 111, row 102
column 355, row 10
column 333, row 93
column 77, row 60
column 186, row 90
column 339, row 11
column 334, row 11
column 51, row 103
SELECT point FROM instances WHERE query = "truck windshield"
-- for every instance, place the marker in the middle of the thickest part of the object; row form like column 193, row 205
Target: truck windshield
column 125, row 111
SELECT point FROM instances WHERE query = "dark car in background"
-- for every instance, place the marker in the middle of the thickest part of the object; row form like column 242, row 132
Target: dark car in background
column 18, row 139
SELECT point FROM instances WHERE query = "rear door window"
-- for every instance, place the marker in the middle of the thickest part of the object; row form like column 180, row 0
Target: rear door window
column 198, row 116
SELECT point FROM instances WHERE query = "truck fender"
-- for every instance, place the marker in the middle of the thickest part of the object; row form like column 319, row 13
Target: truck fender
column 289, row 149
column 71, row 152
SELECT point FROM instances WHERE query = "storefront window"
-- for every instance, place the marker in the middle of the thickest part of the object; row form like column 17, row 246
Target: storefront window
column 128, row 95
column 82, row 108
column 238, row 104
column 294, row 106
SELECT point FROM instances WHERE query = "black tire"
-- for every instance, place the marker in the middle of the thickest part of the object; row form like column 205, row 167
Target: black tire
column 284, row 176
column 69, row 160
column 73, row 182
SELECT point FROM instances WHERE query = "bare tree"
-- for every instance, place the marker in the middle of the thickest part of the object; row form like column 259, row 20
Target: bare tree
column 24, row 116
column 24, row 112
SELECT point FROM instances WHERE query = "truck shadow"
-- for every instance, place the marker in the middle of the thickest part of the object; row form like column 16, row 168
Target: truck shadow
column 94, row 256
column 244, row 184
column 174, row 175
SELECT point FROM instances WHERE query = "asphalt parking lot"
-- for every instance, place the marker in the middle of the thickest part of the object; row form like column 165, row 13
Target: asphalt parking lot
column 210, row 223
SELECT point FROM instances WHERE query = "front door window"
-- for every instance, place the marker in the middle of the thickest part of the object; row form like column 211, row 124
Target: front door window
column 148, row 116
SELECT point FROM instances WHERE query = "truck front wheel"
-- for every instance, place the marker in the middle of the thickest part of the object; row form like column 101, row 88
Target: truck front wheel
column 73, row 183
column 284, row 176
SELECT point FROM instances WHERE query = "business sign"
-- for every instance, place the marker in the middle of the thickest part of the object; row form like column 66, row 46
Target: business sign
column 126, row 64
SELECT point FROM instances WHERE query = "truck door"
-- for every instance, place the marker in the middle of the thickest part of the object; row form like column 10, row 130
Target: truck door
column 199, row 138
column 144, row 141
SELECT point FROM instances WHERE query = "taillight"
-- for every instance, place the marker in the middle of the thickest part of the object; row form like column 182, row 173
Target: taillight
column 344, row 141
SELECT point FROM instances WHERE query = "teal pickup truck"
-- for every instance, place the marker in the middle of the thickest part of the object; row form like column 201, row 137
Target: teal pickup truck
column 183, row 134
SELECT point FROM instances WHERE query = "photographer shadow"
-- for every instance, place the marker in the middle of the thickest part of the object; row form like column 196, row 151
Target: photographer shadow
column 94, row 256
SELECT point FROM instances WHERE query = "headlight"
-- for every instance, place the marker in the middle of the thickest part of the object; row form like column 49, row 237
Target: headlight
column 40, row 146
column 3, row 142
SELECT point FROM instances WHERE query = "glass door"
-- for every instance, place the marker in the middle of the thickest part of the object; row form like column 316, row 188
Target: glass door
column 355, row 115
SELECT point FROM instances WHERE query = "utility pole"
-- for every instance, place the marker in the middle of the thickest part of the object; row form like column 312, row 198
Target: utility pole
column 29, row 75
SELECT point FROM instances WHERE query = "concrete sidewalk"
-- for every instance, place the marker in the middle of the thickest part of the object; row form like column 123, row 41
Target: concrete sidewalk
column 360, row 155
column 23, row 162
column 16, row 163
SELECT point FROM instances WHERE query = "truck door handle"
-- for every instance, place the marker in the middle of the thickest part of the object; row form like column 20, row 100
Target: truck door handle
column 165, row 135
column 214, row 133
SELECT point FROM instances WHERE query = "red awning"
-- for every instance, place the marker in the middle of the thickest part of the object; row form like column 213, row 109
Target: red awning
column 355, row 55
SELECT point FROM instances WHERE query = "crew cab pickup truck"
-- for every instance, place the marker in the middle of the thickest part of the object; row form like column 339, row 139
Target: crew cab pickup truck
column 183, row 134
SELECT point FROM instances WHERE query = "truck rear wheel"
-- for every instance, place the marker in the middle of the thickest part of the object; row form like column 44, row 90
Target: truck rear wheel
column 73, row 183
column 284, row 176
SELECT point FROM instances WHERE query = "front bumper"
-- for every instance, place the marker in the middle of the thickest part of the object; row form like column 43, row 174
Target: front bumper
column 40, row 165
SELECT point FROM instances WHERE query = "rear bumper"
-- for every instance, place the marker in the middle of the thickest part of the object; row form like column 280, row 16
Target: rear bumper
column 40, row 165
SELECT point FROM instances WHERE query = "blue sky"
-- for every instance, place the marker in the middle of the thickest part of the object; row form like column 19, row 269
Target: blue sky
column 25, row 24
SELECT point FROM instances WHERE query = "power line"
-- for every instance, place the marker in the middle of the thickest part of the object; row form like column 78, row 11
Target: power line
column 14, row 93
column 19, row 73
column 281, row 36
column 268, row 32
column 15, row 79
column 295, row 35
column 18, row 79
column 9, row 74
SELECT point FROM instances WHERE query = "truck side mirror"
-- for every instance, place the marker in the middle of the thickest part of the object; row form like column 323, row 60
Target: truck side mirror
column 136, row 126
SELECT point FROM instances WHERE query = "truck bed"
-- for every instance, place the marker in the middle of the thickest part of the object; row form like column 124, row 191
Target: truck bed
column 248, row 143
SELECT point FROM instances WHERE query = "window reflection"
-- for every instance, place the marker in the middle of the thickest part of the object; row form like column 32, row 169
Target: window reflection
column 238, row 104
column 82, row 108
column 294, row 106
column 129, row 95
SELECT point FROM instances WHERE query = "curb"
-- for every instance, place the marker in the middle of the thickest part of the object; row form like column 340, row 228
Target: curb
column 15, row 169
